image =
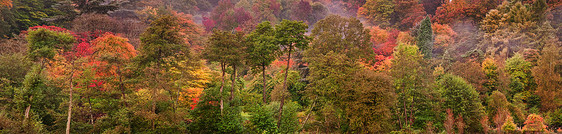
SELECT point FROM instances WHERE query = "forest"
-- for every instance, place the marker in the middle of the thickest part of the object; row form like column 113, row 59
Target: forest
column 280, row 66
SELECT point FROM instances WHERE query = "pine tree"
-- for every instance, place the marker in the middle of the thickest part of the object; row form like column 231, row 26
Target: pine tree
column 424, row 38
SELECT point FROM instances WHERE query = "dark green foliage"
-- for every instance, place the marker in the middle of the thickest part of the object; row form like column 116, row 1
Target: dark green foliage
column 424, row 37
column 417, row 103
column 291, row 35
column 462, row 99
column 8, row 24
column 522, row 80
column 554, row 119
column 261, row 48
column 207, row 117
column 25, row 14
column 44, row 44
column 224, row 47
column 262, row 119
column 289, row 119
column 39, row 96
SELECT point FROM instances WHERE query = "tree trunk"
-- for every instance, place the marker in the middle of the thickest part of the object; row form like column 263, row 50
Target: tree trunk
column 307, row 115
column 28, row 108
column 222, row 85
column 264, row 85
column 69, row 105
column 41, row 65
column 284, row 88
column 233, row 82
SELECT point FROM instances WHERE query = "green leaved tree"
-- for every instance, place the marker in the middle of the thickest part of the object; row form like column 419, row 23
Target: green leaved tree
column 462, row 98
column 424, row 37
column 290, row 35
column 262, row 50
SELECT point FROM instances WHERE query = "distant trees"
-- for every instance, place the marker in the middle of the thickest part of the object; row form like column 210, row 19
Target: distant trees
column 408, row 12
column 227, row 17
column 95, row 6
column 377, row 12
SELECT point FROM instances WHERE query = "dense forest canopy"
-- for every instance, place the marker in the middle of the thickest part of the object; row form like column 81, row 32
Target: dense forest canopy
column 280, row 66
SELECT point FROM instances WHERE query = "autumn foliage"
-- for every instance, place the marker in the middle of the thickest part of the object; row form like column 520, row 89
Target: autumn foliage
column 534, row 123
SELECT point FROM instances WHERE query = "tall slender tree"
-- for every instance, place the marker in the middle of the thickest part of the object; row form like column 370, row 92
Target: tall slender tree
column 161, row 40
column 225, row 50
column 262, row 50
column 416, row 101
column 237, row 54
column 44, row 44
column 290, row 36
